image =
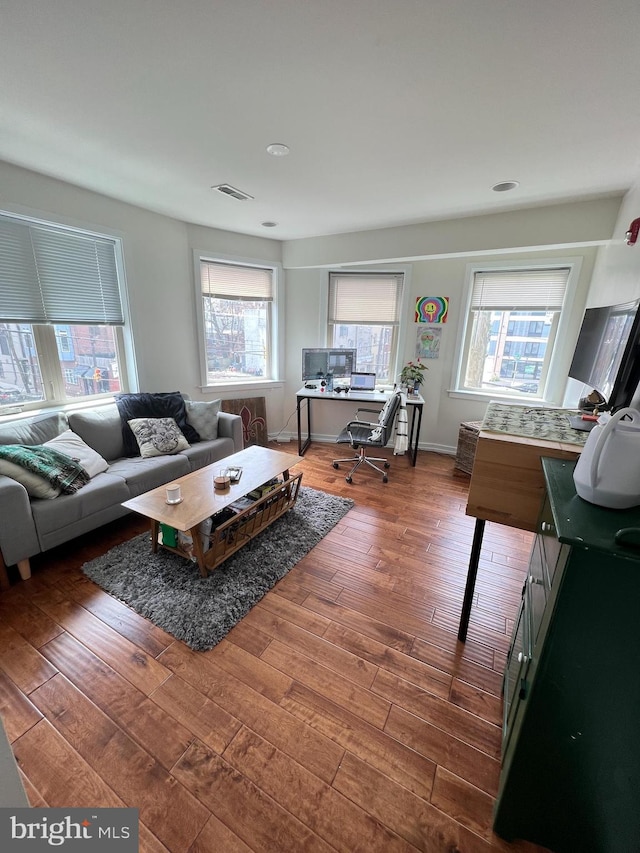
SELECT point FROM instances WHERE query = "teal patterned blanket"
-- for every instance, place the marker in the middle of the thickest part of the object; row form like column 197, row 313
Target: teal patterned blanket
column 60, row 470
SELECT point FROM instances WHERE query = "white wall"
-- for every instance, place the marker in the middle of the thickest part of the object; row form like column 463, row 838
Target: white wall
column 158, row 264
column 553, row 227
column 429, row 277
column 228, row 243
column 159, row 269
column 438, row 254
column 616, row 275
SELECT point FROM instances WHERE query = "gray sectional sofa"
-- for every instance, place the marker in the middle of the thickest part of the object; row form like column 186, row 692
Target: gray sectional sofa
column 31, row 525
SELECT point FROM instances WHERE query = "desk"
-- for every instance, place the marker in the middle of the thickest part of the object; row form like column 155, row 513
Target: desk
column 506, row 486
column 415, row 404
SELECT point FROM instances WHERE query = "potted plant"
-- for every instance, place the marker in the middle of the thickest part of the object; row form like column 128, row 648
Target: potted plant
column 412, row 375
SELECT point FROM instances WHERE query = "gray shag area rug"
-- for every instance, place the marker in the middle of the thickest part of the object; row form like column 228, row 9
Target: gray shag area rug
column 170, row 592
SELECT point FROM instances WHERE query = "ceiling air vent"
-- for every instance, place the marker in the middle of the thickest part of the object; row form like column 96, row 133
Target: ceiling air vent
column 227, row 189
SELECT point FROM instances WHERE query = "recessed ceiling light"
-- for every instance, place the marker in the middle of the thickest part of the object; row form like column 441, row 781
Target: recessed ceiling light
column 505, row 186
column 269, row 224
column 278, row 149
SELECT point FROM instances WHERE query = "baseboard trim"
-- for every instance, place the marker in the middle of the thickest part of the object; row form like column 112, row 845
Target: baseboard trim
column 283, row 438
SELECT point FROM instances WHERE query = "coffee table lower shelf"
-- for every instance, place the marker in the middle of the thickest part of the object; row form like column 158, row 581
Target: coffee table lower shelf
column 234, row 534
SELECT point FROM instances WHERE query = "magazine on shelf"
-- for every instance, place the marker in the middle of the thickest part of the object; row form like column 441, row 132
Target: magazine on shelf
column 241, row 504
column 265, row 488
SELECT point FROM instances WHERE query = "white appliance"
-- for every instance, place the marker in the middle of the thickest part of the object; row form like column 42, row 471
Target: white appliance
column 608, row 470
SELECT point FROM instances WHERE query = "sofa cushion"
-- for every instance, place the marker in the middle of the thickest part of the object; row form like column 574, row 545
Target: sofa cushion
column 36, row 486
column 203, row 416
column 33, row 430
column 100, row 428
column 141, row 474
column 97, row 496
column 158, row 436
column 158, row 405
column 208, row 452
column 71, row 444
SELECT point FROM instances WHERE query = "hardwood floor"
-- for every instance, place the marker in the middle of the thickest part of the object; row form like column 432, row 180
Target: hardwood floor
column 340, row 714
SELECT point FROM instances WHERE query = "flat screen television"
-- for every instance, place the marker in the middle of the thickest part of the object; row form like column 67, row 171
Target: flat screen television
column 318, row 362
column 607, row 354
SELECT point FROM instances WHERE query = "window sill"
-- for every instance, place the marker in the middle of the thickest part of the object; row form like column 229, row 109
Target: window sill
column 27, row 410
column 480, row 397
column 233, row 387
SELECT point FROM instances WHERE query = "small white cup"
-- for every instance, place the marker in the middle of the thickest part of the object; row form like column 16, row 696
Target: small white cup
column 174, row 495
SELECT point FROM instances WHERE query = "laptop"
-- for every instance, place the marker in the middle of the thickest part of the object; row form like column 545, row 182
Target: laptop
column 363, row 382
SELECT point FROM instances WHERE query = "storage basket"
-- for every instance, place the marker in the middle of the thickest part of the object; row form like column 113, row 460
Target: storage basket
column 467, row 441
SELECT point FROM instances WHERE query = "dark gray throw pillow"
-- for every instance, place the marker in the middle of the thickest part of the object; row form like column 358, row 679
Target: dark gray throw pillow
column 146, row 405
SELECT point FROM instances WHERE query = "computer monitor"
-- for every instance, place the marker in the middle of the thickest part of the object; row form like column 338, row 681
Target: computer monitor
column 318, row 362
column 607, row 354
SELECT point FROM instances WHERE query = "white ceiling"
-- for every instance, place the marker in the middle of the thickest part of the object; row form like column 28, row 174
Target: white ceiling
column 395, row 111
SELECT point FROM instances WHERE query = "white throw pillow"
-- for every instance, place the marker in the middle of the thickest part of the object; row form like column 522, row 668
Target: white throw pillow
column 158, row 436
column 70, row 443
column 37, row 487
column 203, row 417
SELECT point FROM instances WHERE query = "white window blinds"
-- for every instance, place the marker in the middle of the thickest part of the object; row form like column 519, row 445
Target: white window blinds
column 513, row 290
column 366, row 299
column 52, row 275
column 235, row 281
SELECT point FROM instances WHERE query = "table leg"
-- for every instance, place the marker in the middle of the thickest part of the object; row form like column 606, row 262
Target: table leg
column 472, row 571
column 4, row 575
column 155, row 529
column 303, row 446
column 197, row 550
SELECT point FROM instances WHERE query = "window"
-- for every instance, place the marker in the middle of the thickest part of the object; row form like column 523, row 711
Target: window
column 61, row 314
column 64, row 344
column 364, row 312
column 238, row 321
column 510, row 328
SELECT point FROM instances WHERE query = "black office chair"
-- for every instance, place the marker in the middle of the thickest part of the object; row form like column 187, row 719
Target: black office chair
column 363, row 434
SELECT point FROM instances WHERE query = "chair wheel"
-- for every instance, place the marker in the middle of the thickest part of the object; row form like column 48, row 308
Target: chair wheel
column 385, row 479
column 349, row 479
column 387, row 464
column 335, row 465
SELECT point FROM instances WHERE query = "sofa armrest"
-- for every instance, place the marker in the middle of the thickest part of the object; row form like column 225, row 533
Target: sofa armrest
column 18, row 535
column 230, row 426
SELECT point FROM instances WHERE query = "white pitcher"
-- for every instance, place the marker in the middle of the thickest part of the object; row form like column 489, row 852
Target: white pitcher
column 608, row 470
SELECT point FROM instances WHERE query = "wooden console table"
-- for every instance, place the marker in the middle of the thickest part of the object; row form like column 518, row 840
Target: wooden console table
column 507, row 486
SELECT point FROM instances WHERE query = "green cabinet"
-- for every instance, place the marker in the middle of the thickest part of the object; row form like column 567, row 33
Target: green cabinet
column 570, row 777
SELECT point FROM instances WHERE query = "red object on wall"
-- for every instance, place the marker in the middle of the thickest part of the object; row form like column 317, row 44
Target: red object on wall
column 632, row 233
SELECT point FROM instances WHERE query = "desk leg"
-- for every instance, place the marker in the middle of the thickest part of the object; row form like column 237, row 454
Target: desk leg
column 472, row 571
column 415, row 434
column 303, row 446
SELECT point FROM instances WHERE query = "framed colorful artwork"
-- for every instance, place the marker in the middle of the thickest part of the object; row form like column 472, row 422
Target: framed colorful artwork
column 432, row 309
column 428, row 342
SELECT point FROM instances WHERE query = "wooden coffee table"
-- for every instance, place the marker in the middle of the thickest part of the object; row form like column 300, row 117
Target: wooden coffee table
column 200, row 501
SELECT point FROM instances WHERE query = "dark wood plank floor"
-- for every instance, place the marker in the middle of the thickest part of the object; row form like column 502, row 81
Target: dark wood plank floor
column 340, row 714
